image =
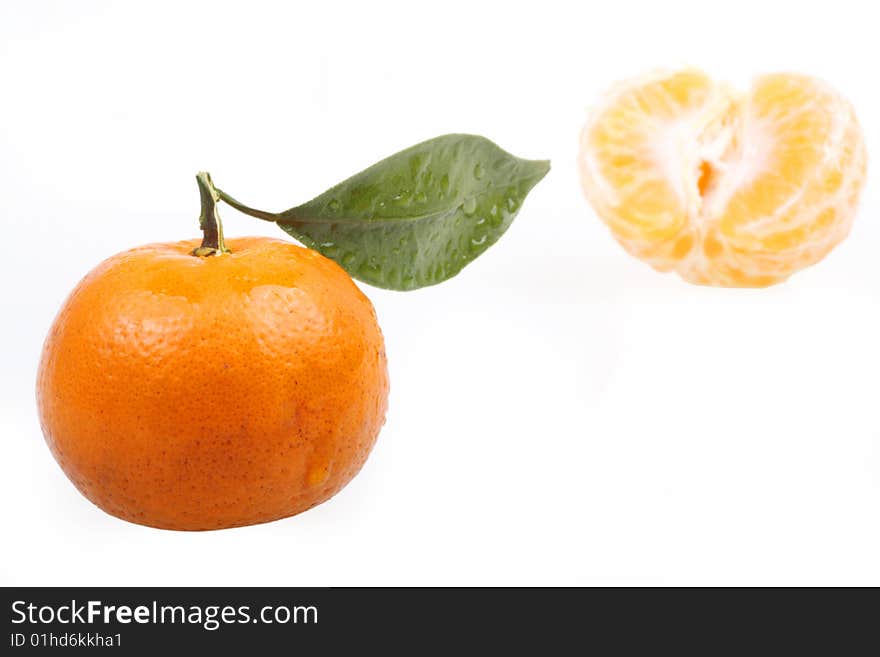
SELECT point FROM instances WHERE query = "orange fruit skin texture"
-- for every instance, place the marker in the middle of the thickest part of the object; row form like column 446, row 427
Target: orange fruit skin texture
column 199, row 393
column 725, row 188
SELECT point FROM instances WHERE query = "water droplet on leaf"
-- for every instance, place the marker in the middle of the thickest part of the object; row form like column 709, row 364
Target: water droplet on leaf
column 495, row 217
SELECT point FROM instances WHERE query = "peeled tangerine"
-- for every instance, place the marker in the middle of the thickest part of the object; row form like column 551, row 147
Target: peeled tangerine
column 725, row 188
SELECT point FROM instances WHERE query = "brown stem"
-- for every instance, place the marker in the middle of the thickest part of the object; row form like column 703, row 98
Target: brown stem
column 209, row 219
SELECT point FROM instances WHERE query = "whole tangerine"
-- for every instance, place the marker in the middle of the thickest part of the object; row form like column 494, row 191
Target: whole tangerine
column 188, row 392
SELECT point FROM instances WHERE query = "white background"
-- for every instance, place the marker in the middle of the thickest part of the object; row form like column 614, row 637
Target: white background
column 560, row 413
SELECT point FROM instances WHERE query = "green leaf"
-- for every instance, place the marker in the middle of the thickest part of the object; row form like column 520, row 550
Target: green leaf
column 419, row 216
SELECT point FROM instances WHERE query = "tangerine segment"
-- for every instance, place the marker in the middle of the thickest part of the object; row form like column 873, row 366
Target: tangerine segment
column 198, row 393
column 728, row 189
